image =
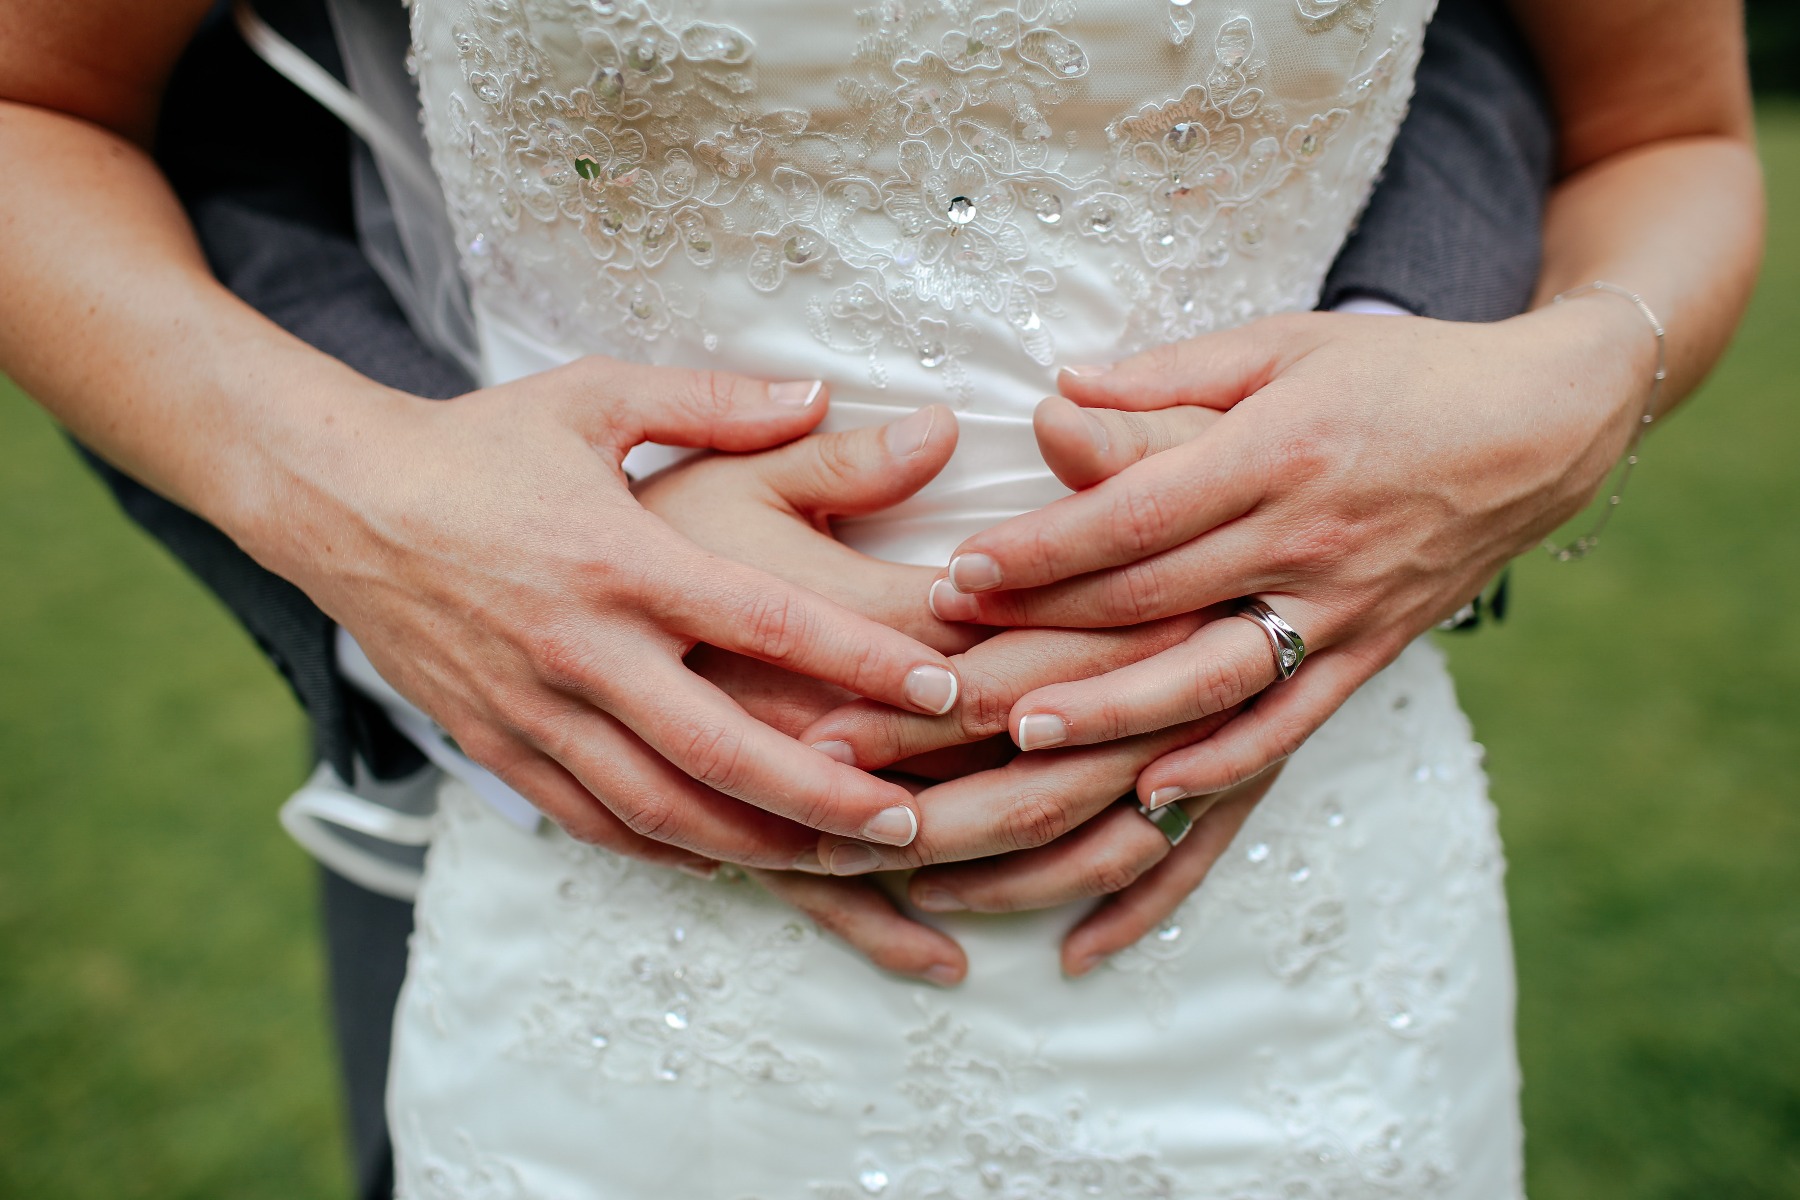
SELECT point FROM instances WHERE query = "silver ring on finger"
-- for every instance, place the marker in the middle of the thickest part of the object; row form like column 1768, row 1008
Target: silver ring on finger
column 1284, row 639
column 1171, row 820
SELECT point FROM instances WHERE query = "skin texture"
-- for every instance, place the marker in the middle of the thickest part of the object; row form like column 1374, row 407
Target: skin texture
column 1363, row 478
column 1367, row 475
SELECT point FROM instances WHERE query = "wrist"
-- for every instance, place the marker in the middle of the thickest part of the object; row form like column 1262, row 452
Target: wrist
column 293, row 458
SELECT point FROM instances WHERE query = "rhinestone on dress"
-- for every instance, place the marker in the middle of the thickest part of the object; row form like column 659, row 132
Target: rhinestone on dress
column 873, row 1180
column 962, row 210
column 1182, row 136
column 1258, row 853
column 932, row 355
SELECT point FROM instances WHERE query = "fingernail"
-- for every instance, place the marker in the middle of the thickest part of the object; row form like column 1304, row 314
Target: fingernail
column 974, row 573
column 797, row 394
column 1086, row 371
column 810, row 864
column 948, row 604
column 907, row 436
column 896, row 826
column 938, row 900
column 848, row 858
column 1084, row 965
column 843, row 752
column 1096, row 431
column 702, row 871
column 1163, row 797
column 942, row 975
column 932, row 689
column 1040, row 731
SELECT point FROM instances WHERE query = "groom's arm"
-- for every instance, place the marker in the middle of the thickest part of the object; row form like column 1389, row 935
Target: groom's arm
column 1455, row 228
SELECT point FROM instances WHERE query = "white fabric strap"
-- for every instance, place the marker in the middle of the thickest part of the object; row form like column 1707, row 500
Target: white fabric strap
column 292, row 64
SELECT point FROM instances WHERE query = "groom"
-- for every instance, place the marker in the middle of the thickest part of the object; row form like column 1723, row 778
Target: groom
column 277, row 193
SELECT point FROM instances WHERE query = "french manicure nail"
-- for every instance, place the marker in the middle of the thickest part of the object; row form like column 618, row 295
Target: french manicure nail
column 701, row 871
column 1163, row 797
column 907, row 436
column 798, row 394
column 843, row 752
column 1086, row 371
column 974, row 573
column 810, row 864
column 896, row 826
column 1084, row 965
column 937, row 900
column 932, row 689
column 948, row 604
column 941, row 974
column 1040, row 731
column 849, row 858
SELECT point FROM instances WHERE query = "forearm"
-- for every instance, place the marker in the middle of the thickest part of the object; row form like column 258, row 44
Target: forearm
column 110, row 317
column 1679, row 222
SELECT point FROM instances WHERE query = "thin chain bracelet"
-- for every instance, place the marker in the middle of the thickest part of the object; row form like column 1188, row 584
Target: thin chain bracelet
column 1584, row 545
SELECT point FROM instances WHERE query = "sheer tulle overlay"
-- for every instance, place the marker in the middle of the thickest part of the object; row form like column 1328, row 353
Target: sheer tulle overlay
column 937, row 200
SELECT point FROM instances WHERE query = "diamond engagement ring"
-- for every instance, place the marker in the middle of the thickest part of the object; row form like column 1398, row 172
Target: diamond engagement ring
column 1289, row 646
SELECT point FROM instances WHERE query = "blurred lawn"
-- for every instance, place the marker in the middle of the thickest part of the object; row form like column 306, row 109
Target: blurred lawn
column 162, row 1029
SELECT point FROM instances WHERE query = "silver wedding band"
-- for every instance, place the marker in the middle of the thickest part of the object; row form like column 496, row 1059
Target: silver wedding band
column 1284, row 639
column 1171, row 820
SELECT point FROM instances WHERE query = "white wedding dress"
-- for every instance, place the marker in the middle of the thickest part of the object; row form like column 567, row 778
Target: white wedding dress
column 941, row 200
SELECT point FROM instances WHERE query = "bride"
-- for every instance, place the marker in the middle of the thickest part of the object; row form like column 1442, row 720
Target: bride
column 915, row 211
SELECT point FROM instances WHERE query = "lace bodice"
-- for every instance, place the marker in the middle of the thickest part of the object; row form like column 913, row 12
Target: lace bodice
column 935, row 197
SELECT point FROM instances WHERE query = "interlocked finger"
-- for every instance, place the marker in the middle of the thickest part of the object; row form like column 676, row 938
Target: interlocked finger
column 1242, row 558
column 1153, row 899
column 860, row 913
column 623, row 780
column 994, row 676
column 1225, row 663
column 753, row 613
column 1083, row 446
column 1283, row 718
column 1027, row 803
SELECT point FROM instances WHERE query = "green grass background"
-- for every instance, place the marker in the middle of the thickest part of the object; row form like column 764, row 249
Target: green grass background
column 162, row 1023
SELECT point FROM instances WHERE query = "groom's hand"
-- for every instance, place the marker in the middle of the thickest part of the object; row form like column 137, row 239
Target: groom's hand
column 490, row 556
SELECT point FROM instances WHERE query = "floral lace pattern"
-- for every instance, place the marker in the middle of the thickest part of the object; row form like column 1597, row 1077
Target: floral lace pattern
column 936, row 204
column 688, row 1000
column 1014, row 1138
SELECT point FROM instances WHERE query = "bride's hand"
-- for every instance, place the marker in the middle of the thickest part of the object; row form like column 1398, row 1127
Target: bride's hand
column 1371, row 474
column 509, row 583
column 773, row 508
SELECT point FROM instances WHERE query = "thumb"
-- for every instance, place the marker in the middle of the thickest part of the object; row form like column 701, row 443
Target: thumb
column 620, row 404
column 862, row 470
column 1214, row 370
column 1083, row 446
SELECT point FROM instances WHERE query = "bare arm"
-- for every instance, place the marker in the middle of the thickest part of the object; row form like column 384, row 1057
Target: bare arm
column 488, row 554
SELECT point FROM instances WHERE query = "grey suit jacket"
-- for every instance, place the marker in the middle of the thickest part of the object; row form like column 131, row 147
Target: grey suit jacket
column 1452, row 232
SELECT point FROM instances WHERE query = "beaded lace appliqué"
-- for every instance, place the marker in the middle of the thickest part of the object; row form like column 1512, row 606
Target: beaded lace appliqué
column 985, row 1127
column 686, row 1000
column 942, row 187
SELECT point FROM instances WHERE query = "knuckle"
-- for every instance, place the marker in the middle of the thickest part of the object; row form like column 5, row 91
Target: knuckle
column 837, row 458
column 1037, row 818
column 646, row 814
column 1141, row 519
column 1139, row 591
column 1217, row 686
column 985, row 704
column 710, row 393
column 563, row 662
column 774, row 625
column 715, row 757
column 1109, row 874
